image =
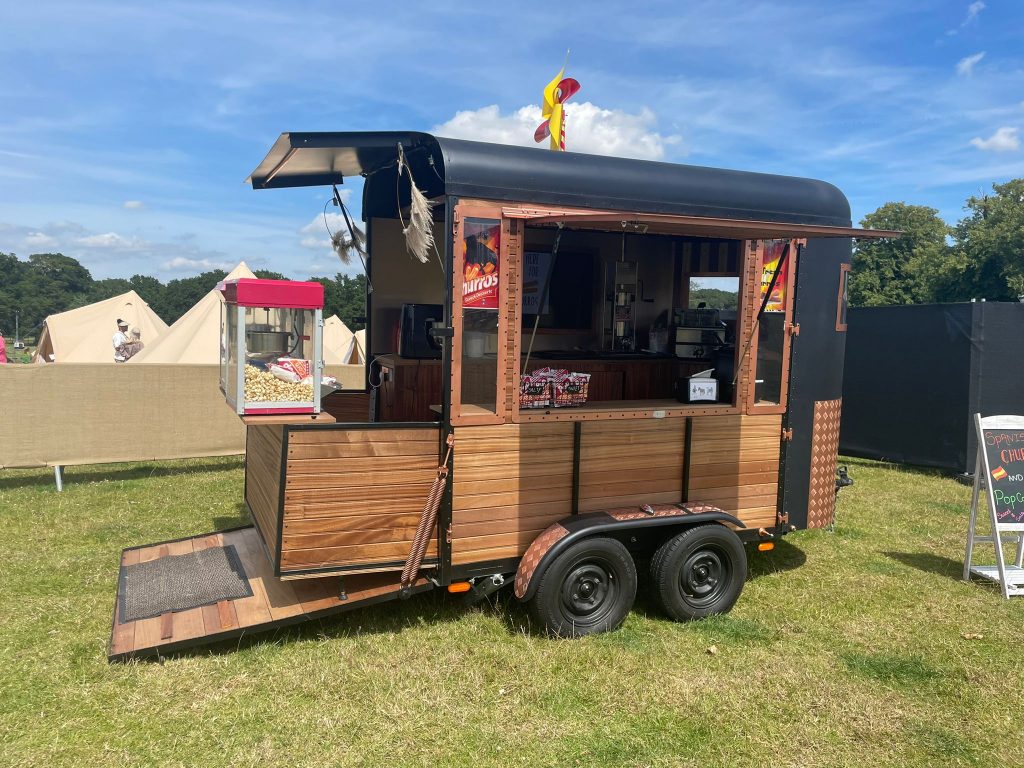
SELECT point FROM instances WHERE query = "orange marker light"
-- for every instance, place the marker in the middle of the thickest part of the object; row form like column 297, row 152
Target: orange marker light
column 460, row 586
column 764, row 546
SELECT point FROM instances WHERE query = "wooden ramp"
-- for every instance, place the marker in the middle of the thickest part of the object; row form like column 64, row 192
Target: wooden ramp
column 274, row 603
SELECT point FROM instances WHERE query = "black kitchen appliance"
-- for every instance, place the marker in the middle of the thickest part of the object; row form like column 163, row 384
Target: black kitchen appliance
column 414, row 339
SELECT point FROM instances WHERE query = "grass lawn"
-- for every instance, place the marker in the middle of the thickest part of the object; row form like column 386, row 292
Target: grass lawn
column 846, row 648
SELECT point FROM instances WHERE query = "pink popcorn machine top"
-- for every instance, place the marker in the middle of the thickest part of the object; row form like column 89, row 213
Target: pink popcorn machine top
column 271, row 345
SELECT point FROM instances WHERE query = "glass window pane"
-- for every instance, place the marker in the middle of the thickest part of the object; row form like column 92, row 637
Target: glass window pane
column 771, row 330
column 481, row 249
column 844, row 298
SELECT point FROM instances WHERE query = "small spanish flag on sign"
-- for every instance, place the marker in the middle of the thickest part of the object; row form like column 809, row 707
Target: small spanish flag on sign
column 999, row 473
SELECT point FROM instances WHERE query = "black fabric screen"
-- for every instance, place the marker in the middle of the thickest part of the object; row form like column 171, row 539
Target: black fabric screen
column 914, row 376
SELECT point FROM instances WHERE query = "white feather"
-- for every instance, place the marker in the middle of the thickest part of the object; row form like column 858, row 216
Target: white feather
column 419, row 233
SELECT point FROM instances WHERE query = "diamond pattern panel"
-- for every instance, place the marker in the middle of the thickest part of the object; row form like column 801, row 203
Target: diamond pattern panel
column 821, row 500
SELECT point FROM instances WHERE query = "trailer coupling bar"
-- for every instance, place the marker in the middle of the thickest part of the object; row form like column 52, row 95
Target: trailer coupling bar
column 428, row 520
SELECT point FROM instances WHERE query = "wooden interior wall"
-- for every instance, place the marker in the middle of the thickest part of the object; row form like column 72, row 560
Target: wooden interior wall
column 353, row 497
column 631, row 462
column 734, row 464
column 510, row 482
column 263, row 479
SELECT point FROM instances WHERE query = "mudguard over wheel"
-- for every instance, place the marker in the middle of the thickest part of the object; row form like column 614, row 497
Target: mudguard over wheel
column 589, row 588
column 699, row 573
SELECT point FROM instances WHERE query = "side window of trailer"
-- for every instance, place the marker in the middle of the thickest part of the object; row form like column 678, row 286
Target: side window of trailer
column 478, row 351
column 776, row 269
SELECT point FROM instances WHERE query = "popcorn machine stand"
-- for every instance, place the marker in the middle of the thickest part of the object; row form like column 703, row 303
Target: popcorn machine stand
column 271, row 349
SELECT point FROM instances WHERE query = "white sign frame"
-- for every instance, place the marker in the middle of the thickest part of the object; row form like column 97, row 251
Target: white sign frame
column 1009, row 577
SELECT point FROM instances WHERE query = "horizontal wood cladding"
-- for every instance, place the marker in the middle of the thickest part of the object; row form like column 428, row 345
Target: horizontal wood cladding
column 633, row 462
column 734, row 464
column 353, row 498
column 510, row 482
column 263, row 479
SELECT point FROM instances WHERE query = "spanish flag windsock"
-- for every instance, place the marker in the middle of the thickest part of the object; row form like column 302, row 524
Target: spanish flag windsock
column 556, row 93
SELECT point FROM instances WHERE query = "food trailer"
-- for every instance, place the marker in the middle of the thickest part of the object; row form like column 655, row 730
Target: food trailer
column 603, row 366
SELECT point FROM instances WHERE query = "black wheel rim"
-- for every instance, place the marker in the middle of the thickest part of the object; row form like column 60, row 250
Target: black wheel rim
column 705, row 575
column 589, row 591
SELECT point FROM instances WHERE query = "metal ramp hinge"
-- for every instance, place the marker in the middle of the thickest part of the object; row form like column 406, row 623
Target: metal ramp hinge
column 787, row 434
column 794, row 329
column 448, row 534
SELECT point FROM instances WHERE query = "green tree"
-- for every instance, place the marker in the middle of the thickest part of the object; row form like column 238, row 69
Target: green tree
column 345, row 296
column 912, row 269
column 180, row 294
column 990, row 245
column 150, row 289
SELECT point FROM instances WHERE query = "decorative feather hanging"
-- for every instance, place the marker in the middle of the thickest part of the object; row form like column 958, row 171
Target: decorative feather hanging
column 343, row 242
column 419, row 232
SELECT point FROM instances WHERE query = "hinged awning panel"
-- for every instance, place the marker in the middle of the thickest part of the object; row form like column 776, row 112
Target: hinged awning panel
column 665, row 224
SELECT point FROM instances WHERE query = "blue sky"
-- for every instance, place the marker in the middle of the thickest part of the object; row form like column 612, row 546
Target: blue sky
column 126, row 130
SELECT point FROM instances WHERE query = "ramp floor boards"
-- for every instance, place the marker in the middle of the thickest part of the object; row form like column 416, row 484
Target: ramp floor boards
column 274, row 603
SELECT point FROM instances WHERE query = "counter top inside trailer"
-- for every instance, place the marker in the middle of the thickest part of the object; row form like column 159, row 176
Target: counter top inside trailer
column 543, row 359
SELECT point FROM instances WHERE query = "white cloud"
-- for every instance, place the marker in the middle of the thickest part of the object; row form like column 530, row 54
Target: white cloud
column 966, row 65
column 589, row 129
column 112, row 240
column 316, row 227
column 315, row 243
column 1005, row 139
column 182, row 263
column 39, row 240
column 973, row 10
column 134, row 205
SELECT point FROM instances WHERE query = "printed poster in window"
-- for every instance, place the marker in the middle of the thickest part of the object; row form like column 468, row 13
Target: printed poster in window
column 482, row 241
column 771, row 252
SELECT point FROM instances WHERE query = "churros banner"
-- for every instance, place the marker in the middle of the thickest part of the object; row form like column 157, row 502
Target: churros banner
column 771, row 252
column 482, row 243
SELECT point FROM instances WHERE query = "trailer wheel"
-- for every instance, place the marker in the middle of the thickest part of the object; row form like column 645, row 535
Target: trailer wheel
column 699, row 573
column 589, row 588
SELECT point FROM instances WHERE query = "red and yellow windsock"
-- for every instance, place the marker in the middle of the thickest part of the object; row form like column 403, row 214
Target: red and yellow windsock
column 556, row 93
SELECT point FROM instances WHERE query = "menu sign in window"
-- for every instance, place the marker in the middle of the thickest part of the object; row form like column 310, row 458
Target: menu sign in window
column 771, row 253
column 482, row 243
column 1004, row 455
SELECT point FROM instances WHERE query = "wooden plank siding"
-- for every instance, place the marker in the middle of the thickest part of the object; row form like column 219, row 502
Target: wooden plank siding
column 263, row 479
column 734, row 464
column 631, row 462
column 510, row 482
column 354, row 497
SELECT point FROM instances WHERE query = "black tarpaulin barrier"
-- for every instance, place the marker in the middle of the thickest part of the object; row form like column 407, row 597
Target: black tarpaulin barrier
column 915, row 375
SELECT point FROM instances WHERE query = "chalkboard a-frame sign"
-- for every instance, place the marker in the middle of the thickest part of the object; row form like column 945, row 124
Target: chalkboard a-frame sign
column 999, row 471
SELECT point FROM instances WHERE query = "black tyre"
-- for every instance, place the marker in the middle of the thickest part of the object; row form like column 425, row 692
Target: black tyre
column 699, row 573
column 589, row 588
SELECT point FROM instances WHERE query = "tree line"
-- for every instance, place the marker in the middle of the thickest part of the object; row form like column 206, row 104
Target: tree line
column 48, row 283
column 981, row 257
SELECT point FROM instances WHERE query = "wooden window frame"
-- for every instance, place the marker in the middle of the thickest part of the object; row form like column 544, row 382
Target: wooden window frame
column 477, row 209
column 750, row 367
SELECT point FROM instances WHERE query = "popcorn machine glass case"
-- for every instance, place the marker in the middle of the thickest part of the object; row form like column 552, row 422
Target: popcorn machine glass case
column 271, row 348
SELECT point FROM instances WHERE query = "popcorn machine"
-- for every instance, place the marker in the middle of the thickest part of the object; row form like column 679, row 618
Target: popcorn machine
column 271, row 348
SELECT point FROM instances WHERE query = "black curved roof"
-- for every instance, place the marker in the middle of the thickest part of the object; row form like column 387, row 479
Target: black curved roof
column 525, row 174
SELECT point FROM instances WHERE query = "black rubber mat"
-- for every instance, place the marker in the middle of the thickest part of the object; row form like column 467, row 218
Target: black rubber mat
column 180, row 582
